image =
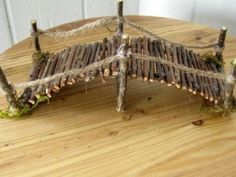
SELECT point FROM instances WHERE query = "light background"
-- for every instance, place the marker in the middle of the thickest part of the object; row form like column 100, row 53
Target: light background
column 15, row 15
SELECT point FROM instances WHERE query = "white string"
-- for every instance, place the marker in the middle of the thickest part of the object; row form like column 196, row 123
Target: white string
column 168, row 42
column 120, row 52
column 89, row 68
column 63, row 34
column 107, row 20
column 117, row 57
column 199, row 72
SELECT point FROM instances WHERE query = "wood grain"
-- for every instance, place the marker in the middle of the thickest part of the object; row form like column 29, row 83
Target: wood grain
column 80, row 133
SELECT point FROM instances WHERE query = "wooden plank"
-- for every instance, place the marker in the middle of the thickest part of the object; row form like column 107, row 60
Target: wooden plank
column 48, row 14
column 100, row 8
column 5, row 35
column 80, row 133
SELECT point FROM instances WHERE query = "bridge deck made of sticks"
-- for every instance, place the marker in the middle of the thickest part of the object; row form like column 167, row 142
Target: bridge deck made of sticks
column 150, row 58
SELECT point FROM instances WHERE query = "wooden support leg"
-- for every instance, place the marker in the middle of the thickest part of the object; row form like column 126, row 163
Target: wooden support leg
column 122, row 77
column 229, row 87
column 221, row 42
column 9, row 91
column 121, row 86
column 35, row 36
column 38, row 54
column 120, row 28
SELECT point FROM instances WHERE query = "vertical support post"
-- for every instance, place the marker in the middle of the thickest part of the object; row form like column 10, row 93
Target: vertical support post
column 120, row 25
column 221, row 42
column 9, row 91
column 229, row 86
column 35, row 36
column 122, row 76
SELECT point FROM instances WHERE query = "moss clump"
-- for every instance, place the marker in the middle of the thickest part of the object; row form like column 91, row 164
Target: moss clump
column 39, row 55
column 25, row 109
column 210, row 58
column 210, row 107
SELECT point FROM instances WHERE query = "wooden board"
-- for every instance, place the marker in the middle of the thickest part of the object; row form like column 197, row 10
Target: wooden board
column 80, row 133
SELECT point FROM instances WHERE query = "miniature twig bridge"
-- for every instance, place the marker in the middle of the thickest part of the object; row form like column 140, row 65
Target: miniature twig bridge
column 149, row 58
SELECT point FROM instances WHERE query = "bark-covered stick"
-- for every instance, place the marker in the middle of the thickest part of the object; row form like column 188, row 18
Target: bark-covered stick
column 34, row 88
column 165, row 67
column 71, row 78
column 221, row 42
column 134, row 60
column 68, row 65
column 35, row 36
column 9, row 91
column 107, row 71
column 229, row 86
column 170, row 58
column 92, row 74
column 122, row 77
column 114, row 49
column 56, row 83
column 182, row 74
column 146, row 67
column 51, row 72
column 120, row 25
column 159, row 69
column 139, row 62
column 152, row 66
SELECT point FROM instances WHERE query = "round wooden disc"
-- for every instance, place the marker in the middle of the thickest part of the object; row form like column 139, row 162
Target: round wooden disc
column 80, row 133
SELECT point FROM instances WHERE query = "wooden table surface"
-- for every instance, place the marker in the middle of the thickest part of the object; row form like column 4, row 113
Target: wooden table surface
column 80, row 133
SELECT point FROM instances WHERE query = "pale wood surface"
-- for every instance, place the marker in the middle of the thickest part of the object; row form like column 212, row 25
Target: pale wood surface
column 80, row 133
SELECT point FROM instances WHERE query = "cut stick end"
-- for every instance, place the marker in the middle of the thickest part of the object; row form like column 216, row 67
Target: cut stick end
column 106, row 72
column 114, row 73
column 31, row 101
column 223, row 28
column 49, row 95
column 216, row 101
column 125, row 36
column 120, row 109
column 69, row 83
column 211, row 99
column 177, row 86
column 55, row 88
column 33, row 21
column 145, row 79
column 87, row 79
column 151, row 80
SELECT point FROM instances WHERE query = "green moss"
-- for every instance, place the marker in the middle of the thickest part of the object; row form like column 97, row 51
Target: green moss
column 210, row 107
column 17, row 113
column 38, row 55
column 233, row 62
column 210, row 58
